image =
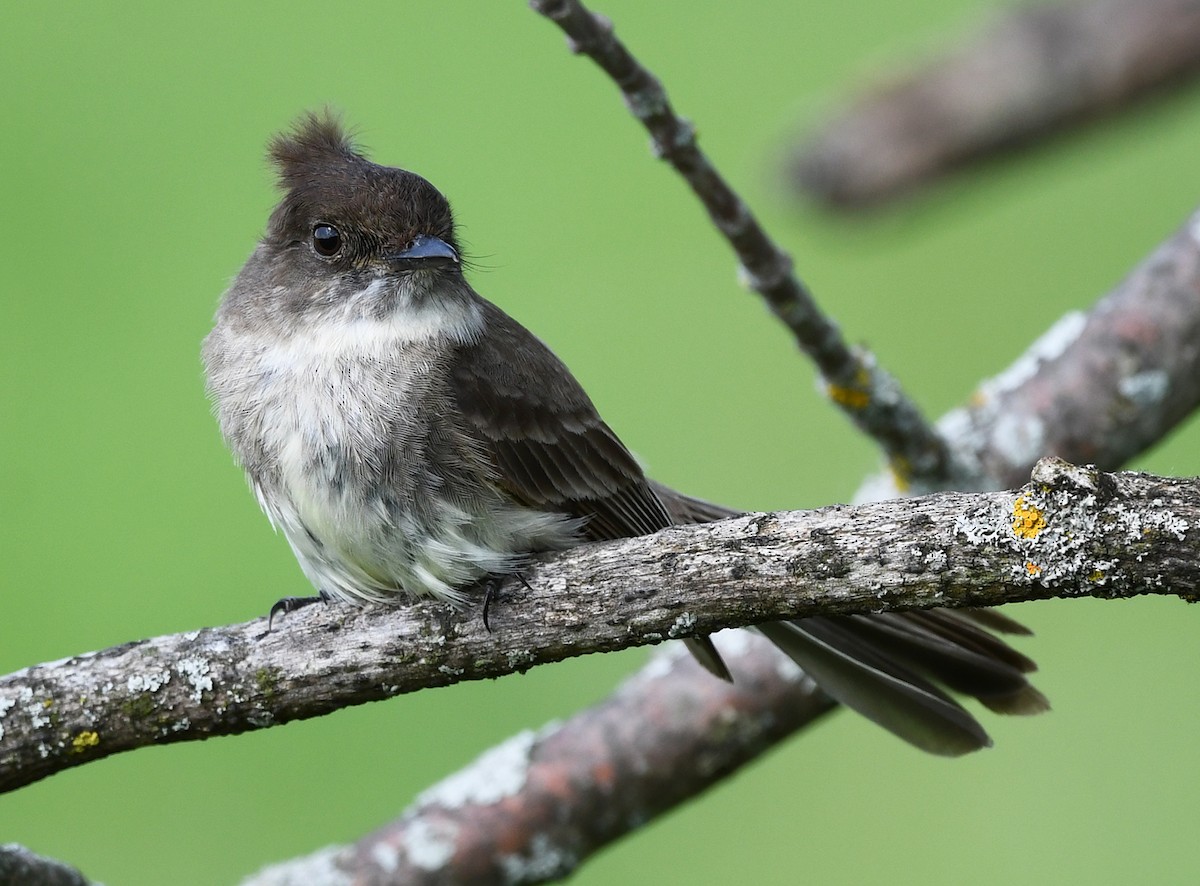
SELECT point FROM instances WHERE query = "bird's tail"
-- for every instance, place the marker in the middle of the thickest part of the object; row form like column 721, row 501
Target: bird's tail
column 897, row 668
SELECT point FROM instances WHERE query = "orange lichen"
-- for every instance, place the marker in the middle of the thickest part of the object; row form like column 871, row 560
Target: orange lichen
column 1028, row 519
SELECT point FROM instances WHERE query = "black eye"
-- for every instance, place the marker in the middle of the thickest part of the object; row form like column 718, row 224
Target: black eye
column 327, row 240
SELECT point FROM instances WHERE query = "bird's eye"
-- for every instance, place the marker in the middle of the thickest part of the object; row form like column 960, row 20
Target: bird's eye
column 327, row 239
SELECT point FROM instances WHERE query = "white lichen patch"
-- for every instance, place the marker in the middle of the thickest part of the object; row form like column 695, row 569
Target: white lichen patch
column 518, row 657
column 1137, row 524
column 196, row 672
column 1145, row 388
column 982, row 527
column 1100, row 570
column 495, row 774
column 545, row 860
column 682, row 626
column 1050, row 346
column 1063, row 529
column 148, row 682
column 6, row 705
column 1022, row 438
column 37, row 711
column 451, row 671
column 428, row 844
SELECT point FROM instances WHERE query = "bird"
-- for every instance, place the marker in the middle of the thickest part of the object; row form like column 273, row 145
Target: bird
column 410, row 439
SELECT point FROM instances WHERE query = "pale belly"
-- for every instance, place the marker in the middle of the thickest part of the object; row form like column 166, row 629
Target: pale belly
column 373, row 500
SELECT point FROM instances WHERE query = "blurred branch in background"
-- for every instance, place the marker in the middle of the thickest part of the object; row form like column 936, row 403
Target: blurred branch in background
column 1035, row 70
column 20, row 867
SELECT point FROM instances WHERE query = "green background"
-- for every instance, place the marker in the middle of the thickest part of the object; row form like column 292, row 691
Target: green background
column 133, row 187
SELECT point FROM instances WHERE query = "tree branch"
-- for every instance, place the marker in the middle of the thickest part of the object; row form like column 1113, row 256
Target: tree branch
column 1036, row 69
column 870, row 396
column 1098, row 387
column 1071, row 532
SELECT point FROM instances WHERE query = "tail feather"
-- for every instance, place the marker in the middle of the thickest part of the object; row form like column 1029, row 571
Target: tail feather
column 705, row 652
column 878, row 687
column 955, row 659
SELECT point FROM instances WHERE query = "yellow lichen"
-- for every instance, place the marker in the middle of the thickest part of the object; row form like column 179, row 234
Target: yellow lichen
column 84, row 740
column 852, row 398
column 1033, row 569
column 1028, row 519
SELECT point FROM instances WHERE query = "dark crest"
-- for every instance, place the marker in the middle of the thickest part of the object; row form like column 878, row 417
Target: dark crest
column 316, row 142
column 328, row 178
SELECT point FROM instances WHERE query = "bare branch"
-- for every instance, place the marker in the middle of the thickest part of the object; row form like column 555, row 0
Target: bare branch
column 1036, row 69
column 1072, row 532
column 854, row 381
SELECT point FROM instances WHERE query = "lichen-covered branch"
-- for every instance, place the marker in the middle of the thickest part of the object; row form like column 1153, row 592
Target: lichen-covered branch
column 1036, row 69
column 870, row 396
column 1071, row 532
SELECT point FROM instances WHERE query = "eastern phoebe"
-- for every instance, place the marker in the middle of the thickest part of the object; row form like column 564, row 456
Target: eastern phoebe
column 412, row 439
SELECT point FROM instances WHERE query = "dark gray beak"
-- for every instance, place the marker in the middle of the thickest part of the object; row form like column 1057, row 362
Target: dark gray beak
column 423, row 253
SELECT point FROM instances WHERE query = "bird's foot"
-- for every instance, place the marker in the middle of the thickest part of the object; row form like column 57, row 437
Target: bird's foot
column 291, row 604
column 491, row 591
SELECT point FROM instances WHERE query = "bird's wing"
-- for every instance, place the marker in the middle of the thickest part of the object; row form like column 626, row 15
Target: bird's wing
column 549, row 447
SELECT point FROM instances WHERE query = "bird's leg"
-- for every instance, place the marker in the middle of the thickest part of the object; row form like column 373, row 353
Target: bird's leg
column 291, row 604
column 491, row 590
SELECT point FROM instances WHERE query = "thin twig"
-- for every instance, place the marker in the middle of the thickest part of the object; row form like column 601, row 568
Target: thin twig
column 854, row 381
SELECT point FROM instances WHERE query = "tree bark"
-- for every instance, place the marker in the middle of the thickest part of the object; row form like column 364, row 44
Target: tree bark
column 1070, row 532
